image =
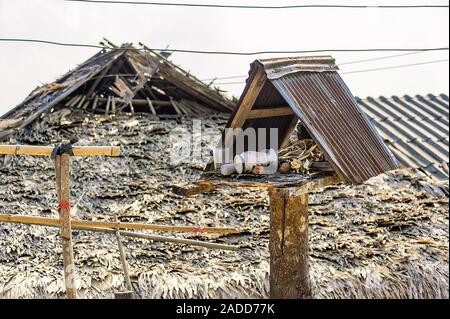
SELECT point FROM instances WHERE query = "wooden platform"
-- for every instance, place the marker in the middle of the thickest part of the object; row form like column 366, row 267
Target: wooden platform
column 300, row 183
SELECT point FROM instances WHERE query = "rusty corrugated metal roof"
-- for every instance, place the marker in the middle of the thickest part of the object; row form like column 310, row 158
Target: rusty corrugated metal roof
column 320, row 99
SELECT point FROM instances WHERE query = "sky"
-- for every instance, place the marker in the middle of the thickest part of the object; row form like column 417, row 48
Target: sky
column 24, row 66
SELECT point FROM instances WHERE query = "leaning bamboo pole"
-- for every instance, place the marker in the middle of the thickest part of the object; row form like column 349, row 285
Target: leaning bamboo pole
column 115, row 225
column 47, row 150
column 49, row 222
column 182, row 241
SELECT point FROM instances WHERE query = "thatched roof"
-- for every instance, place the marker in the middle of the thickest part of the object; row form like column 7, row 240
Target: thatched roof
column 119, row 79
column 387, row 238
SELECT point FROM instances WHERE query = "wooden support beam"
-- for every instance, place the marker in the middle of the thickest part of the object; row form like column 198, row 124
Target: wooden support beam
column 94, row 105
column 247, row 101
column 150, row 106
column 175, row 106
column 108, row 103
column 289, row 259
column 113, row 105
column 86, row 104
column 116, row 225
column 80, row 151
column 99, row 78
column 275, row 112
column 131, row 107
column 52, row 222
column 80, row 103
column 73, row 100
column 138, row 102
column 63, row 190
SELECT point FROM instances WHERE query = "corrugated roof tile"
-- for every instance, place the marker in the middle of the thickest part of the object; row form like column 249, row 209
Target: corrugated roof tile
column 415, row 129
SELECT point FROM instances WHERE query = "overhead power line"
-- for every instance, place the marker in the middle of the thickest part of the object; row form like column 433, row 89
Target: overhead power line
column 381, row 58
column 53, row 43
column 396, row 66
column 340, row 64
column 226, row 52
column 364, row 70
column 304, row 6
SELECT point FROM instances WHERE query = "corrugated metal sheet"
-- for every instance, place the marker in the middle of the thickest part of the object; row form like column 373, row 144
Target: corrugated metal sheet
column 321, row 100
column 414, row 128
column 328, row 110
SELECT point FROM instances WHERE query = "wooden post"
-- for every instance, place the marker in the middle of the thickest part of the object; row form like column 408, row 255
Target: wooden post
column 63, row 189
column 289, row 267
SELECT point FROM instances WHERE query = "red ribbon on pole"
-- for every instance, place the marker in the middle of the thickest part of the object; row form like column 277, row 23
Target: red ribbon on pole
column 64, row 205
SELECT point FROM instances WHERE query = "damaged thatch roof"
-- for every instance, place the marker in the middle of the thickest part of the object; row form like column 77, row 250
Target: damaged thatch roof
column 120, row 79
column 387, row 238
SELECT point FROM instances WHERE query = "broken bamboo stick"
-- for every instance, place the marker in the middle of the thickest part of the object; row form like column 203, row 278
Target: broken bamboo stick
column 123, row 260
column 115, row 225
column 32, row 221
column 47, row 150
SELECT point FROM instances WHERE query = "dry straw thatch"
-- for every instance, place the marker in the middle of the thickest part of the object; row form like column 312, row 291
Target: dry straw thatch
column 387, row 238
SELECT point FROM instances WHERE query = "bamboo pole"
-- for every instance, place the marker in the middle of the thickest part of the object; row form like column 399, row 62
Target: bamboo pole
column 80, row 151
column 114, row 225
column 123, row 259
column 28, row 220
column 63, row 189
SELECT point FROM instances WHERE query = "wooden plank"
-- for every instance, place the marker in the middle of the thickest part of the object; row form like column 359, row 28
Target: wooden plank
column 289, row 258
column 80, row 151
column 274, row 112
column 63, row 190
column 302, row 182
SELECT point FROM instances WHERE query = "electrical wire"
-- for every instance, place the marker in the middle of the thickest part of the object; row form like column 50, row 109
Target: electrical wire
column 226, row 52
column 395, row 67
column 363, row 71
column 340, row 64
column 261, row 7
